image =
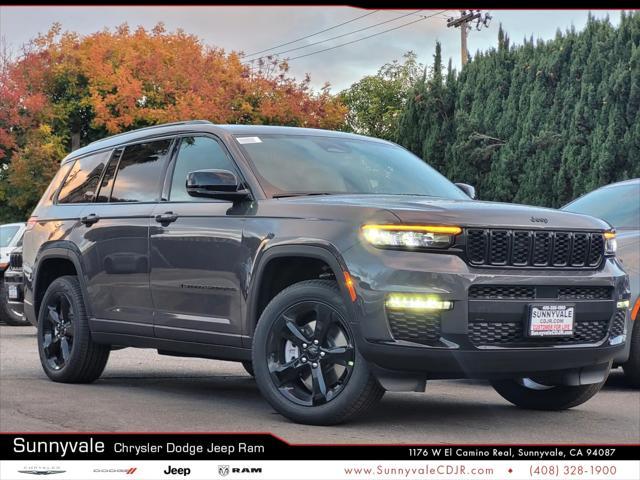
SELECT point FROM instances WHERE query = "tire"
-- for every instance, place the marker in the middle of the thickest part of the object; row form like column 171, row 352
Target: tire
column 334, row 362
column 541, row 397
column 63, row 315
column 632, row 366
column 248, row 366
column 7, row 314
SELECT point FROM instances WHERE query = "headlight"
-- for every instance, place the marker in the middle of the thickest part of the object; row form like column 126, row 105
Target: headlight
column 410, row 236
column 610, row 243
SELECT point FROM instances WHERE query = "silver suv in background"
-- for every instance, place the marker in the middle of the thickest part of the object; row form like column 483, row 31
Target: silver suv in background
column 619, row 205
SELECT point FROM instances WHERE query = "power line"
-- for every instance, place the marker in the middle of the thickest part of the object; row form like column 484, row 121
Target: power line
column 312, row 34
column 337, row 36
column 367, row 37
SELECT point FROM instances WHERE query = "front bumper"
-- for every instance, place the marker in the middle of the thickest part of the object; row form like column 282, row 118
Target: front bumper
column 14, row 289
column 481, row 337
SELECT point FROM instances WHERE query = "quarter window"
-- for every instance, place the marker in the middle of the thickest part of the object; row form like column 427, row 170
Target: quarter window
column 82, row 182
column 196, row 153
column 139, row 170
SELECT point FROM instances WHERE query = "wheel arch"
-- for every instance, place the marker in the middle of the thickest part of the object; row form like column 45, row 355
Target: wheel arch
column 57, row 253
column 322, row 253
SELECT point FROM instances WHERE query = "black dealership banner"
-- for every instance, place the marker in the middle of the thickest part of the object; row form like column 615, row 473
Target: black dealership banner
column 236, row 446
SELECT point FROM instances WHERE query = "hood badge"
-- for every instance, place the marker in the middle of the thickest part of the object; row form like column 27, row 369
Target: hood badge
column 539, row 220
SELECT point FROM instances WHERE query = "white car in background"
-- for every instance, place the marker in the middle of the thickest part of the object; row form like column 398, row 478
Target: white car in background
column 10, row 239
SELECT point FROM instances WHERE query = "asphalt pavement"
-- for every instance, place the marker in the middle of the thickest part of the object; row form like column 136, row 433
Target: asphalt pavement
column 143, row 391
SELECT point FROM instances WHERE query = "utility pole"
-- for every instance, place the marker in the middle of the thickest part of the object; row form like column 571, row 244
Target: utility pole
column 462, row 22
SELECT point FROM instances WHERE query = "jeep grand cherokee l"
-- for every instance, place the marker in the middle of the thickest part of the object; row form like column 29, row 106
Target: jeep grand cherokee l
column 334, row 266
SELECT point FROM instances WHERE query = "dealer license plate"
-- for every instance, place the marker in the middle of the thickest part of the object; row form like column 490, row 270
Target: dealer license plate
column 13, row 292
column 551, row 320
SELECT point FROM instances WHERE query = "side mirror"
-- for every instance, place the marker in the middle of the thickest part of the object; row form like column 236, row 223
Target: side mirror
column 219, row 184
column 468, row 189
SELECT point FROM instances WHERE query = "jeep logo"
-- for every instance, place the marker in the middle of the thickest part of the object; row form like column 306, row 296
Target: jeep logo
column 177, row 471
column 539, row 220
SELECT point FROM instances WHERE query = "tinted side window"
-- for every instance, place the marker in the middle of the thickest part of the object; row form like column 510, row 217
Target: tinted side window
column 107, row 179
column 196, row 153
column 138, row 175
column 82, row 182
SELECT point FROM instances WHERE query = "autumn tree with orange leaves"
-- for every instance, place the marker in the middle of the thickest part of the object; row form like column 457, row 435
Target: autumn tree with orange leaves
column 67, row 90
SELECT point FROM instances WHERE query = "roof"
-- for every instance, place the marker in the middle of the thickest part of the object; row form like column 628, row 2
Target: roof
column 204, row 125
column 632, row 181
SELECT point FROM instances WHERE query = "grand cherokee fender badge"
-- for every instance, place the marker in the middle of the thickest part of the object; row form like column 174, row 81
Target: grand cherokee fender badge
column 539, row 220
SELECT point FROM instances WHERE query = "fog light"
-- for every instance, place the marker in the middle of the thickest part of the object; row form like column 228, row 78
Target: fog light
column 623, row 304
column 417, row 302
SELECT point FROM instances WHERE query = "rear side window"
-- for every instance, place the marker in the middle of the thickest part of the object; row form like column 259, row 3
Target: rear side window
column 82, row 182
column 50, row 192
column 196, row 153
column 107, row 179
column 139, row 170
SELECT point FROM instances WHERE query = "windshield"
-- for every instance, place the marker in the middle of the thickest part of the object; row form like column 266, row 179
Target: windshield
column 619, row 205
column 6, row 234
column 301, row 164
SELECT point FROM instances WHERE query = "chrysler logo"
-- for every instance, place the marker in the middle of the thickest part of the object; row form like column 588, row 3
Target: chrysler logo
column 539, row 219
column 41, row 472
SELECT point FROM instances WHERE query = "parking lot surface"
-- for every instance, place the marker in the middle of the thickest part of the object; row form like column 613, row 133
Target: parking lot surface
column 142, row 391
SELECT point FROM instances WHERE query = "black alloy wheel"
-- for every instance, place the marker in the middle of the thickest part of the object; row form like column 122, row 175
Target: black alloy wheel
column 310, row 353
column 305, row 356
column 57, row 330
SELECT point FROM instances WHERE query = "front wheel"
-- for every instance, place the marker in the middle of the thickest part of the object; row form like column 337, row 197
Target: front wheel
column 529, row 394
column 305, row 358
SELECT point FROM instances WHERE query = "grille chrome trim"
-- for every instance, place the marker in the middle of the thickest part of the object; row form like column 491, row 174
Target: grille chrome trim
column 534, row 248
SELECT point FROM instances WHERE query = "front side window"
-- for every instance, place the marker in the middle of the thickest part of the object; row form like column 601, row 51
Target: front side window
column 196, row 153
column 139, row 170
column 307, row 164
column 82, row 182
column 617, row 205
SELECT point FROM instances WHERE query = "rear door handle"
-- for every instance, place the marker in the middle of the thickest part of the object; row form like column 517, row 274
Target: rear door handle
column 167, row 217
column 90, row 219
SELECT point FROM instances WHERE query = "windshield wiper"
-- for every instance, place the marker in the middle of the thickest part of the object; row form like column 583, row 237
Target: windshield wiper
column 300, row 194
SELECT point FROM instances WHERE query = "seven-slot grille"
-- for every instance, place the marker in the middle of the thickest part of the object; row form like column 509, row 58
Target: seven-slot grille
column 15, row 260
column 531, row 248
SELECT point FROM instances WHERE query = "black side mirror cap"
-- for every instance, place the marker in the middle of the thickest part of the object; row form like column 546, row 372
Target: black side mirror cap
column 468, row 189
column 218, row 184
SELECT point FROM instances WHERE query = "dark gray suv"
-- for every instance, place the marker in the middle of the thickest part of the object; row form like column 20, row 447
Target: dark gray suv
column 334, row 266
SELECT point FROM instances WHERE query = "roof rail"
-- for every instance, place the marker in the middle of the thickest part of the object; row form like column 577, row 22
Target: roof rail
column 151, row 127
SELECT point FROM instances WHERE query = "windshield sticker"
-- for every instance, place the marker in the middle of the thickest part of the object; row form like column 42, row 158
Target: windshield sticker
column 244, row 140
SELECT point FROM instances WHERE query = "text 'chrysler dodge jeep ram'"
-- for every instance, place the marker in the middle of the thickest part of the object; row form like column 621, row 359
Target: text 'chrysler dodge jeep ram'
column 334, row 266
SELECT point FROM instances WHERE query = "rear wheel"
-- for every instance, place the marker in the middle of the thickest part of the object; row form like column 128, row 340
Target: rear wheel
column 7, row 313
column 529, row 394
column 632, row 365
column 305, row 358
column 67, row 352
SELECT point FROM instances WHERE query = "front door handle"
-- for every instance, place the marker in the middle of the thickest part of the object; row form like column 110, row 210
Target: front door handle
column 90, row 219
column 167, row 217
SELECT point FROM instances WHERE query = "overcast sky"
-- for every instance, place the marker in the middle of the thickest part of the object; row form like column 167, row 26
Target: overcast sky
column 251, row 29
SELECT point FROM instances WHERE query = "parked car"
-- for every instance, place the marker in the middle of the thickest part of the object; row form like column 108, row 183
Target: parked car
column 335, row 266
column 10, row 240
column 13, row 291
column 619, row 205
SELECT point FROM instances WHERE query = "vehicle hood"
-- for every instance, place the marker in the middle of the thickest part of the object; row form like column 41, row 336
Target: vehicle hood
column 466, row 213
